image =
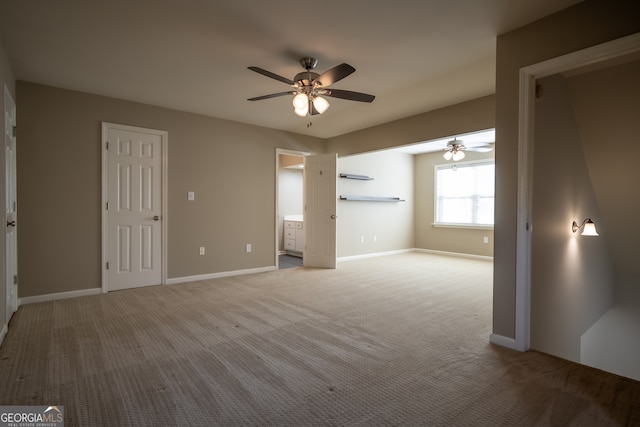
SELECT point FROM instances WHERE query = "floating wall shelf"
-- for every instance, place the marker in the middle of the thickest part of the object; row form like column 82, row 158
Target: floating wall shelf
column 371, row 199
column 352, row 176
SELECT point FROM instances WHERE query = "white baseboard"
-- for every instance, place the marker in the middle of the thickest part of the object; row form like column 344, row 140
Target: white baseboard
column 426, row 251
column 455, row 254
column 377, row 254
column 3, row 333
column 60, row 295
column 177, row 280
column 502, row 341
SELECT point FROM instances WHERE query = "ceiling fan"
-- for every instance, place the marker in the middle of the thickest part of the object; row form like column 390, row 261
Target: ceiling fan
column 455, row 149
column 310, row 88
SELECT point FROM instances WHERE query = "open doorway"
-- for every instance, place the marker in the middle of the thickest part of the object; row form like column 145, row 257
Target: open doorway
column 289, row 208
column 557, row 267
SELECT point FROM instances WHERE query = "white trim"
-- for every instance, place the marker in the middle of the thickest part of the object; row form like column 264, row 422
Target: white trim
column 465, row 226
column 374, row 255
column 426, row 251
column 11, row 300
column 105, row 194
column 60, row 295
column 177, row 280
column 503, row 341
column 3, row 333
column 456, row 254
column 528, row 76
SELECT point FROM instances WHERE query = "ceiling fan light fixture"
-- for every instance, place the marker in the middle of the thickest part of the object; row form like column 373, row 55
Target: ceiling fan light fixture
column 458, row 155
column 308, row 85
column 447, row 155
column 320, row 104
column 301, row 101
column 302, row 112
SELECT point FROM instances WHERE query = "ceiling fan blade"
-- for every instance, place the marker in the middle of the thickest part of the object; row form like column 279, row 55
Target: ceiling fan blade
column 270, row 74
column 335, row 74
column 273, row 95
column 479, row 149
column 350, row 95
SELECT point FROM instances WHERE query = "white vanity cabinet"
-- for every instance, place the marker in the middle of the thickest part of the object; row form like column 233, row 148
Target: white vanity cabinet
column 294, row 234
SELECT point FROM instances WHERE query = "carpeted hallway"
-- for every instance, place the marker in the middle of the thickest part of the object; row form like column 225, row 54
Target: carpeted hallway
column 399, row 340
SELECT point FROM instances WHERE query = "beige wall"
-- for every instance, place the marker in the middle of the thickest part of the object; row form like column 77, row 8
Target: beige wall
column 470, row 116
column 376, row 227
column 230, row 167
column 460, row 240
column 6, row 80
column 583, row 25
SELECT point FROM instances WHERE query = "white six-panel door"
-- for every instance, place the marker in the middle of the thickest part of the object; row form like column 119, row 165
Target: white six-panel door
column 134, row 213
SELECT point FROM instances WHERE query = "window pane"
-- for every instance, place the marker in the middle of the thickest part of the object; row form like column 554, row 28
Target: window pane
column 465, row 193
column 456, row 210
column 485, row 178
column 484, row 213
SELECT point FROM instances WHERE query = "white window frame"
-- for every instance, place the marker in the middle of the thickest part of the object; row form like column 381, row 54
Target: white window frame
column 441, row 166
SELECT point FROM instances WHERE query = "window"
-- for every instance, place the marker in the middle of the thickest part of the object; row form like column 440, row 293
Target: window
column 464, row 193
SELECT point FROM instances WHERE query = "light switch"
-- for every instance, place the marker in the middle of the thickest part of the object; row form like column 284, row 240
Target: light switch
column 191, row 195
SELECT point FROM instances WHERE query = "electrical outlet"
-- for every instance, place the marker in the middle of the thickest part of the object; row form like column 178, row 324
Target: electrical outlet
column 248, row 247
column 201, row 250
column 191, row 196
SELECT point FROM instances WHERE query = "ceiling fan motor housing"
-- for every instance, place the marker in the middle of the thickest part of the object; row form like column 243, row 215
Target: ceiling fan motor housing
column 308, row 63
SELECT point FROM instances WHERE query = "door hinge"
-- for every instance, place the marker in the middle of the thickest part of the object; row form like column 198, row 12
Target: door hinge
column 107, row 205
column 14, row 132
column 15, row 279
column 106, row 144
column 107, row 265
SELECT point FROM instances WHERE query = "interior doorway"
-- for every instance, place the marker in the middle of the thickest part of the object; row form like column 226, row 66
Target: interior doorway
column 289, row 227
column 529, row 76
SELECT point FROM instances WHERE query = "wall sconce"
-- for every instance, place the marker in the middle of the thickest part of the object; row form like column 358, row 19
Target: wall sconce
column 589, row 228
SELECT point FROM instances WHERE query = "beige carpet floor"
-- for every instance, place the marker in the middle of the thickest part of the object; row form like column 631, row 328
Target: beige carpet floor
column 399, row 340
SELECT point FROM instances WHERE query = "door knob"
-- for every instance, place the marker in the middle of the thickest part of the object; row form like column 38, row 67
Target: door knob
column 156, row 218
column 334, row 216
column 11, row 223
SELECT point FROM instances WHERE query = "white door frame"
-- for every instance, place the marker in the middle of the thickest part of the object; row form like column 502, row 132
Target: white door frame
column 105, row 195
column 11, row 247
column 527, row 95
column 277, row 235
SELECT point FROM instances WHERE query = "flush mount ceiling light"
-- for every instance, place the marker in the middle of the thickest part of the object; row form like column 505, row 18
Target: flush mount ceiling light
column 588, row 227
column 310, row 89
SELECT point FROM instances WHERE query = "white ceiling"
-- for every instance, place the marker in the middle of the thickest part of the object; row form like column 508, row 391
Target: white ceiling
column 192, row 55
column 469, row 140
